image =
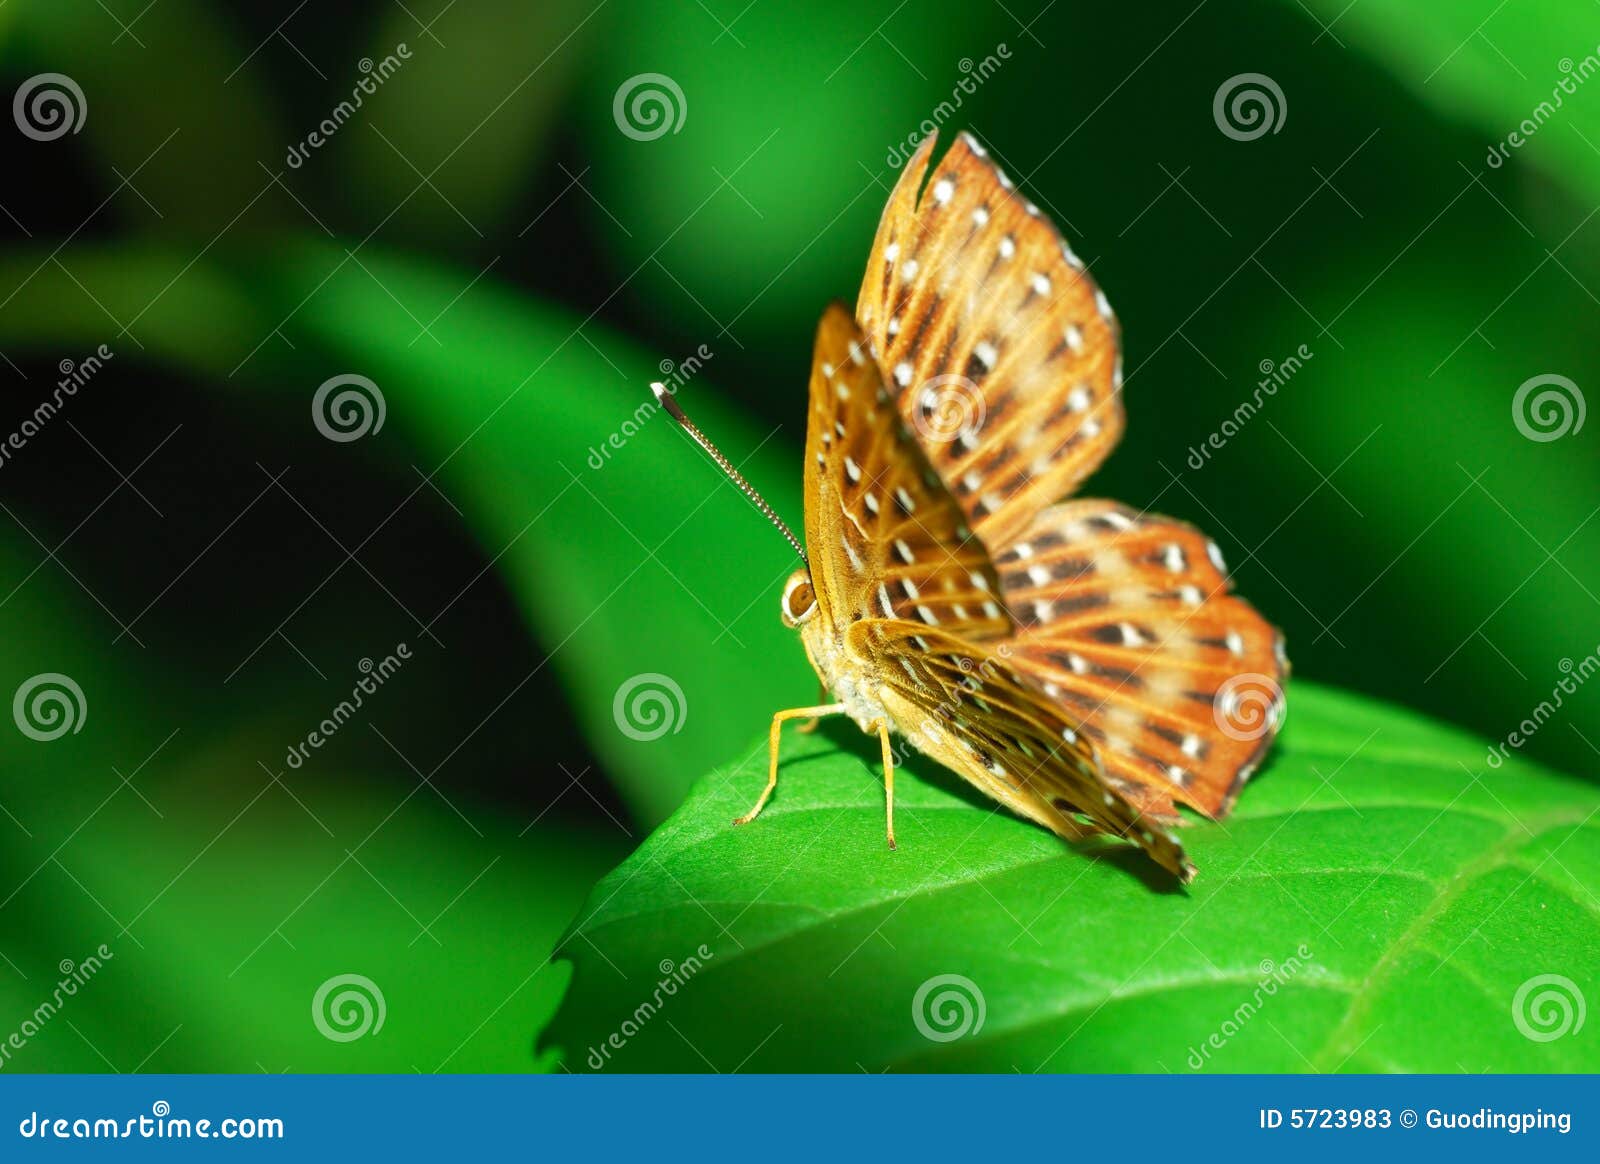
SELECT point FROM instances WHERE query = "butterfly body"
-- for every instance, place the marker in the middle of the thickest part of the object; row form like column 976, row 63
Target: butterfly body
column 850, row 679
column 1082, row 663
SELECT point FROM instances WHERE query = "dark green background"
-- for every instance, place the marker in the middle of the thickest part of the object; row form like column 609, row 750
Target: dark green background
column 484, row 243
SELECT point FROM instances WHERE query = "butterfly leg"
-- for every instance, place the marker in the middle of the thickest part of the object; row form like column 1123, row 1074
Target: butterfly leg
column 888, row 774
column 772, row 751
column 811, row 724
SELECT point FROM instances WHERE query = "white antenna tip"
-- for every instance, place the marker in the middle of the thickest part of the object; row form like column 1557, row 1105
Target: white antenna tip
column 658, row 388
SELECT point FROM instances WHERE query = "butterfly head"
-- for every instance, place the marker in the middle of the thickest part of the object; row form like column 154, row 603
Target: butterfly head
column 799, row 599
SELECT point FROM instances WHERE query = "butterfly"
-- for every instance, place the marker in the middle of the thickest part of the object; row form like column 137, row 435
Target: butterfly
column 1082, row 663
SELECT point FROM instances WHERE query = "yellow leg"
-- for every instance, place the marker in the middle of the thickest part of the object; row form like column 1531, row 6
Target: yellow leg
column 772, row 751
column 888, row 775
column 811, row 724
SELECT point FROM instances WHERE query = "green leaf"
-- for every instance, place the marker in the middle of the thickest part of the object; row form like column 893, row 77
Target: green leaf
column 593, row 513
column 220, row 896
column 1484, row 64
column 473, row 117
column 1375, row 903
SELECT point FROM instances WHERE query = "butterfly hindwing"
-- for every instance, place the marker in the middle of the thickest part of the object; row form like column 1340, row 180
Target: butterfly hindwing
column 885, row 538
column 1126, row 620
column 1000, row 351
column 974, row 710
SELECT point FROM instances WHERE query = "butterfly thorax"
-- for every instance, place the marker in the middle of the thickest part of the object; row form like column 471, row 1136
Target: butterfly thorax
column 849, row 678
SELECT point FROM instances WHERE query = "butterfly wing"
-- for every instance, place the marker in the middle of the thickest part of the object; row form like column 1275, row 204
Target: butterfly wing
column 1123, row 618
column 969, row 707
column 884, row 537
column 1000, row 351
column 1126, row 620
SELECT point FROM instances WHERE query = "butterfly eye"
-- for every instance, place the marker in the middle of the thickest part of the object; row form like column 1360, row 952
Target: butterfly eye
column 799, row 599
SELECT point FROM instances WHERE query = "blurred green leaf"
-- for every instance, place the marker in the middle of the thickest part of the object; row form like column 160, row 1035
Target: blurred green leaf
column 226, row 895
column 756, row 208
column 1375, row 903
column 628, row 552
column 146, row 117
column 1494, row 67
column 458, row 128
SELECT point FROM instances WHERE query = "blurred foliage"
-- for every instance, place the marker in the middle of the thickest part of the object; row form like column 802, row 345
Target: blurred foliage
column 1380, row 923
column 479, row 237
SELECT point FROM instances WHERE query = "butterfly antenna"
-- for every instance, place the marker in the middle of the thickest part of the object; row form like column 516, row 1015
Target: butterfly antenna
column 664, row 398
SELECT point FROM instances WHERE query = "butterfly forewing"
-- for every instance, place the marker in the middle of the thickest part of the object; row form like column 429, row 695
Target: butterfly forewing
column 886, row 540
column 1125, row 620
column 967, row 705
column 1001, row 353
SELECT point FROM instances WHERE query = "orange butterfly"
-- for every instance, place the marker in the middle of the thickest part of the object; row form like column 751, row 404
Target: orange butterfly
column 1080, row 662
